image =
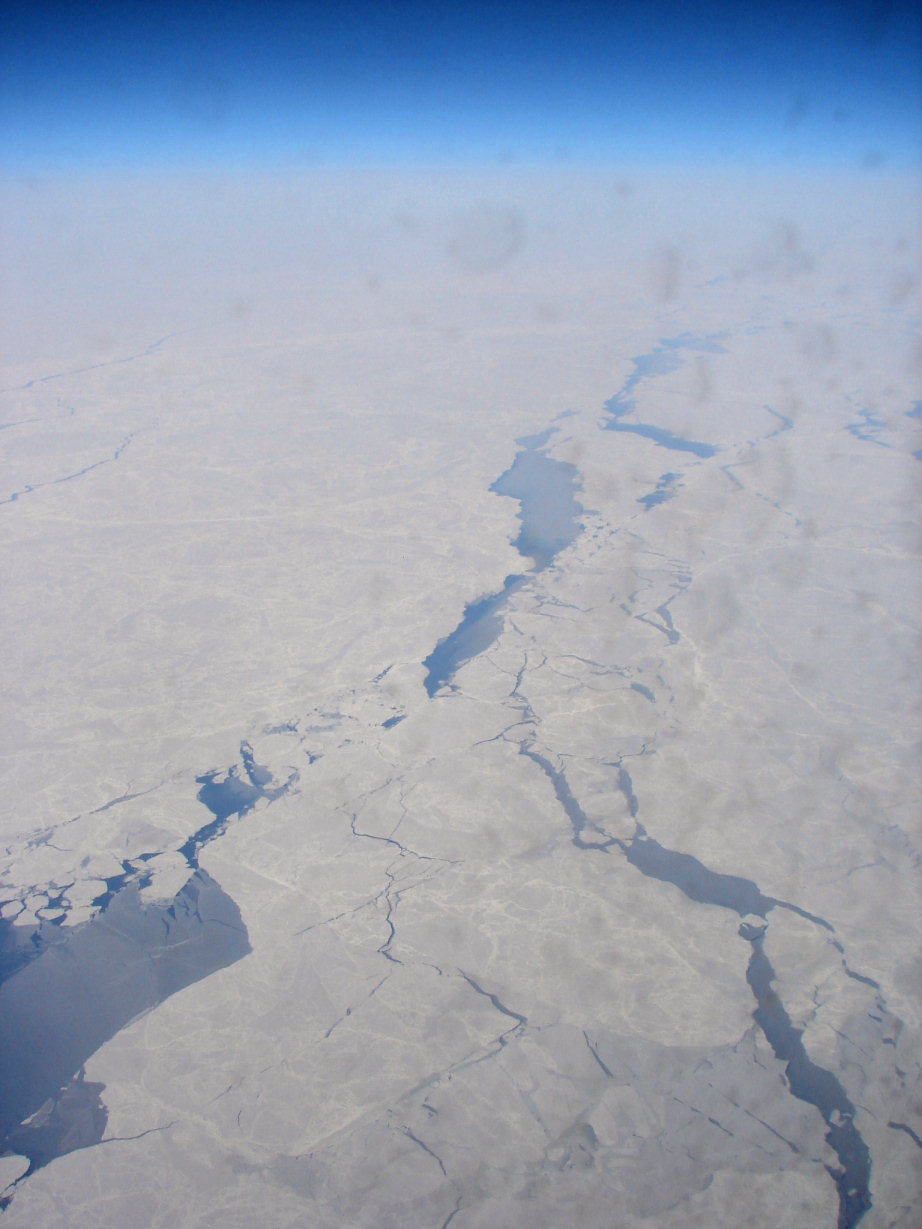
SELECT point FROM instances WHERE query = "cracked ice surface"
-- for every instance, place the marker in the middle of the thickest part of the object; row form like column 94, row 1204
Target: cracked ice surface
column 625, row 913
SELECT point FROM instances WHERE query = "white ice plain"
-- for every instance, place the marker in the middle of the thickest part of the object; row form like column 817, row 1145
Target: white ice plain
column 621, row 924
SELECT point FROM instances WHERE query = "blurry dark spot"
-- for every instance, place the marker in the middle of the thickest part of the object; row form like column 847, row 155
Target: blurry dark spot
column 102, row 343
column 803, row 673
column 818, row 343
column 547, row 312
column 784, row 250
column 378, row 585
column 485, row 237
column 296, row 1172
column 723, row 611
column 703, row 386
column 240, row 308
column 115, row 82
column 574, row 1149
column 867, row 22
column 665, row 266
column 202, row 96
column 873, row 158
column 797, row 111
column 903, row 287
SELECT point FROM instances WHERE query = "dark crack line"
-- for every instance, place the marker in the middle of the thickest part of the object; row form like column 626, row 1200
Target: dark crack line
column 123, row 798
column 626, row 786
column 845, row 1037
column 667, row 627
column 337, row 917
column 391, row 902
column 521, row 1021
column 786, row 423
column 502, row 735
column 812, row 1084
column 391, row 894
column 595, row 1054
column 425, row 1147
column 726, row 469
column 353, row 1007
column 578, row 818
column 761, row 1121
column 701, row 1114
column 126, row 1139
column 78, row 371
column 809, row 917
column 228, row 1089
column 807, row 1081
column 17, row 422
column 859, row 977
column 29, row 488
column 451, row 1217
column 391, row 840
column 868, row 428
column 901, row 1126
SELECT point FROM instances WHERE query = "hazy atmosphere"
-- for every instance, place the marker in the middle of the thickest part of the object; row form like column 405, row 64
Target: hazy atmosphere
column 459, row 504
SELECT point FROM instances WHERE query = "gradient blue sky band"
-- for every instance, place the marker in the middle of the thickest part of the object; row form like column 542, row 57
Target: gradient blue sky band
column 237, row 84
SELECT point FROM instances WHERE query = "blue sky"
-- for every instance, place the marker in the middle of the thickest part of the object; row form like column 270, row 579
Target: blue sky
column 271, row 84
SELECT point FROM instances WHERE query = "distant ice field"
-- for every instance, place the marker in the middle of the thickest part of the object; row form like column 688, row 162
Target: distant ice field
column 461, row 710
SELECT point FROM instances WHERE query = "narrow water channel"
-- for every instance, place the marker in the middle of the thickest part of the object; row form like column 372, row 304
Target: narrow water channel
column 661, row 360
column 806, row 1081
column 549, row 513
